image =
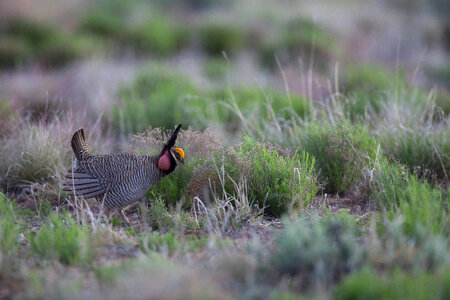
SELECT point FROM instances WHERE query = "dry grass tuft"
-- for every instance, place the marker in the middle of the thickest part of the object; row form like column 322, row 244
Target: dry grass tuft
column 35, row 156
column 199, row 144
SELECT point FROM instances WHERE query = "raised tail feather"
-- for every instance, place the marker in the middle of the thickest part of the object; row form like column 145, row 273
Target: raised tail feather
column 79, row 145
column 171, row 142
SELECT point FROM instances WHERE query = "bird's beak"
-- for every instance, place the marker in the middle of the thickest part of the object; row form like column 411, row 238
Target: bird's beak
column 182, row 160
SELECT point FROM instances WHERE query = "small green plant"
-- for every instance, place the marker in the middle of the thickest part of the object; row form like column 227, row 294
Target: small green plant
column 215, row 68
column 61, row 239
column 342, row 153
column 359, row 106
column 194, row 4
column 423, row 147
column 369, row 285
column 297, row 38
column 219, row 37
column 10, row 228
column 157, row 215
column 390, row 246
column 395, row 190
column 103, row 24
column 157, row 97
column 24, row 41
column 275, row 182
column 34, row 153
column 173, row 189
column 159, row 35
column 369, row 79
column 319, row 251
column 443, row 102
column 13, row 51
column 261, row 102
column 171, row 244
column 108, row 19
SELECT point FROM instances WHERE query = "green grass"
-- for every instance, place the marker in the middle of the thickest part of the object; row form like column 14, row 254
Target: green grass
column 342, row 152
column 362, row 106
column 318, row 252
column 369, row 79
column 250, row 99
column 25, row 41
column 278, row 183
column 61, row 239
column 423, row 149
column 443, row 102
column 420, row 204
column 171, row 244
column 218, row 37
column 215, row 68
column 134, row 25
column 11, row 226
column 159, row 35
column 369, row 285
column 35, row 153
column 109, row 22
column 174, row 188
column 158, row 97
column 390, row 247
column 296, row 38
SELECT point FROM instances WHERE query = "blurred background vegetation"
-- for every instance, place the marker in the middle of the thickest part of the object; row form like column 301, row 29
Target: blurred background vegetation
column 366, row 47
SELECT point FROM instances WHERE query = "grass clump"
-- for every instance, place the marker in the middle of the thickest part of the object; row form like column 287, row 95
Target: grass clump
column 157, row 97
column 414, row 131
column 369, row 79
column 369, row 285
column 159, row 35
column 342, row 153
column 218, row 37
column 423, row 148
column 389, row 246
column 25, row 41
column 400, row 193
column 278, row 183
column 319, row 252
column 156, row 277
column 296, row 38
column 135, row 25
column 11, row 226
column 34, row 153
column 360, row 107
column 63, row 240
column 163, row 218
column 257, row 105
column 171, row 244
column 13, row 51
column 105, row 22
column 215, row 68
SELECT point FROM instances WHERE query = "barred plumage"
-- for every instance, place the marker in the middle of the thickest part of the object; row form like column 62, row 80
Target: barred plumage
column 118, row 180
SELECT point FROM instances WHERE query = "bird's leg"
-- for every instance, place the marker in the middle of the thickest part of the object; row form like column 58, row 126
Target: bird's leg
column 123, row 217
column 107, row 213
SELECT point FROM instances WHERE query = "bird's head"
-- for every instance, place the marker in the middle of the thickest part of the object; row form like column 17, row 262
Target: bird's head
column 178, row 154
column 170, row 156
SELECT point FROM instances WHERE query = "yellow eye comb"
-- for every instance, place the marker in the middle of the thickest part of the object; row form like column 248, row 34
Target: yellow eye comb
column 180, row 151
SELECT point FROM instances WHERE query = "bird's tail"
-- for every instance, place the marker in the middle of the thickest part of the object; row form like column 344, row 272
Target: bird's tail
column 79, row 145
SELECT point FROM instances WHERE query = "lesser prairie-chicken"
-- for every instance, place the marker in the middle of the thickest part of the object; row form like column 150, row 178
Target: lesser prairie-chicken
column 118, row 180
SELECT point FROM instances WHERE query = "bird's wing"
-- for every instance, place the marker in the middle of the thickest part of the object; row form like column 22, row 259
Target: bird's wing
column 78, row 182
column 92, row 176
